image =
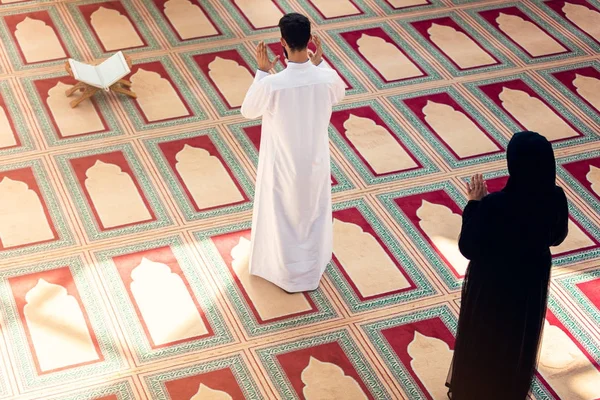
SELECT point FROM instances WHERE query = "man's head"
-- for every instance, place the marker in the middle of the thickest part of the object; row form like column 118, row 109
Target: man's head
column 295, row 32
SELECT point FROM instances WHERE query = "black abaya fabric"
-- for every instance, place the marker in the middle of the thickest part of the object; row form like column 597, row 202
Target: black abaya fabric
column 507, row 238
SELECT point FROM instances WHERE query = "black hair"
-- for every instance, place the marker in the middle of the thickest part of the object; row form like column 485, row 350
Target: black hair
column 295, row 30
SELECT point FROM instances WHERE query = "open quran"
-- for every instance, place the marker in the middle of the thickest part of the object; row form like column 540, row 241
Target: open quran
column 103, row 75
column 108, row 75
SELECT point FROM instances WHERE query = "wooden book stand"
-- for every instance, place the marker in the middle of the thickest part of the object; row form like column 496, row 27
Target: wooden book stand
column 123, row 86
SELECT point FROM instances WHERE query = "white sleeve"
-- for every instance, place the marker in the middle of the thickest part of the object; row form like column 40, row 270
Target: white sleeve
column 337, row 88
column 258, row 96
column 324, row 64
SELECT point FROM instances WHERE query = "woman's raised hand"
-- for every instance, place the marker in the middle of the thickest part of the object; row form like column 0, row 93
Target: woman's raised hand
column 477, row 188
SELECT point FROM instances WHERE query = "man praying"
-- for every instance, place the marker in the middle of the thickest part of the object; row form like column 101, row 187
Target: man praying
column 291, row 240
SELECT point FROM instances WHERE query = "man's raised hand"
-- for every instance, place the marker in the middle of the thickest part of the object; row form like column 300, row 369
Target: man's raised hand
column 262, row 58
column 317, row 56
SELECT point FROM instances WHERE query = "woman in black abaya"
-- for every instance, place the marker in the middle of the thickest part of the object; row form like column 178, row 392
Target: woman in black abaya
column 507, row 237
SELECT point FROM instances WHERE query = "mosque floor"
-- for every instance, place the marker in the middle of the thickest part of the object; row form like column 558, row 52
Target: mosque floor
column 124, row 224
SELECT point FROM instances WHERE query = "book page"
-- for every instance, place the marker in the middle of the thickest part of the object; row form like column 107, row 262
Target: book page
column 85, row 73
column 113, row 69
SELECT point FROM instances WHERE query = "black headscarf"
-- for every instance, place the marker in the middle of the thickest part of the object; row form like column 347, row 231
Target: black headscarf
column 532, row 192
column 531, row 166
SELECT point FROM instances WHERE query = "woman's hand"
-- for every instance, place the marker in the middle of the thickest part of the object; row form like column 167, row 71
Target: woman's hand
column 477, row 189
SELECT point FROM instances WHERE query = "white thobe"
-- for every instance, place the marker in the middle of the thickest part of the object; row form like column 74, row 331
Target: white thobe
column 291, row 239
